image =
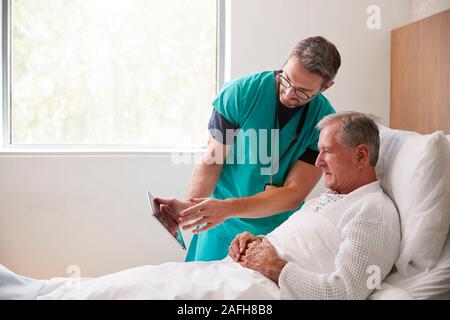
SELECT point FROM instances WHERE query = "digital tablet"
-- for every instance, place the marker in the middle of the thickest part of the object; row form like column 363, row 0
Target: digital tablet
column 167, row 222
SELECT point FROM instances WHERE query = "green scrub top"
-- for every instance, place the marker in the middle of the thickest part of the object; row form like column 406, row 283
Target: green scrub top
column 250, row 104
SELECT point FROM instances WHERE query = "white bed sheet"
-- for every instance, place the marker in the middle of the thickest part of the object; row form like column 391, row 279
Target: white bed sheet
column 432, row 284
column 224, row 279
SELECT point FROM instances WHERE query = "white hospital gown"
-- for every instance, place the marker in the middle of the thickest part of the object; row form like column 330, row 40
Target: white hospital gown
column 370, row 228
column 326, row 199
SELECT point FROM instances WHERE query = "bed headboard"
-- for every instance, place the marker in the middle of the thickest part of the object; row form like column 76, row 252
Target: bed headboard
column 420, row 75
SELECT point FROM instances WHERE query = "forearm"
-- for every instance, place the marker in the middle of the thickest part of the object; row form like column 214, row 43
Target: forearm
column 301, row 180
column 267, row 203
column 204, row 180
column 298, row 283
column 273, row 269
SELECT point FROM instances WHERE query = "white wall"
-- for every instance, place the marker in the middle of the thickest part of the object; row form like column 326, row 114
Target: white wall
column 264, row 31
column 424, row 8
column 91, row 211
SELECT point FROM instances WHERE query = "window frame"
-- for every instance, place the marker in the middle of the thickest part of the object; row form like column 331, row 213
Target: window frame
column 6, row 119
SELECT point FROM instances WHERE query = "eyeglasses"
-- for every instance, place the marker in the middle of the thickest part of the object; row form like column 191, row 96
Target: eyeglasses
column 300, row 93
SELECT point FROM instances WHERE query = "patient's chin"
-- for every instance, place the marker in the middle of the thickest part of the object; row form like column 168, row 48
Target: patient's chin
column 328, row 181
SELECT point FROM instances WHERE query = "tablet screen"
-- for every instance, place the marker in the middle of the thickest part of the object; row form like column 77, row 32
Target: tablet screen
column 168, row 223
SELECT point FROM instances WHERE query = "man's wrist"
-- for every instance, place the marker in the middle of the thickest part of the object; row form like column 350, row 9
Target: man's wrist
column 235, row 207
column 273, row 269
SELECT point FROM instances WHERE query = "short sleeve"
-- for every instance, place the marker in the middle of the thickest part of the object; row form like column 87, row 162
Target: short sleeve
column 227, row 102
column 222, row 130
column 309, row 156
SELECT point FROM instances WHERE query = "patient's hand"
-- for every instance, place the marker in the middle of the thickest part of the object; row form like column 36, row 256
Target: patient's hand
column 240, row 243
column 263, row 258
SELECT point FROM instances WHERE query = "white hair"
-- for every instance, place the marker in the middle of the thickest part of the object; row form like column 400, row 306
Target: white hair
column 356, row 128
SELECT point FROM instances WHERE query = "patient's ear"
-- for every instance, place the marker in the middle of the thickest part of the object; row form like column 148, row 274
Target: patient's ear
column 362, row 155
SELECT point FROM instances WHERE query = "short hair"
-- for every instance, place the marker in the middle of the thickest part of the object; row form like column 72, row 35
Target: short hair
column 356, row 128
column 318, row 56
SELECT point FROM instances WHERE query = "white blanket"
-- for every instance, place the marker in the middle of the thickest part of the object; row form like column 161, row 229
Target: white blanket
column 307, row 238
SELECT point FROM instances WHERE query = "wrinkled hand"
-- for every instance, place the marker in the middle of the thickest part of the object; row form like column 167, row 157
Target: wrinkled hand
column 240, row 243
column 205, row 212
column 264, row 259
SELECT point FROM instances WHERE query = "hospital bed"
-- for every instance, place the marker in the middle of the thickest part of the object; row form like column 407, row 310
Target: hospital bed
column 415, row 169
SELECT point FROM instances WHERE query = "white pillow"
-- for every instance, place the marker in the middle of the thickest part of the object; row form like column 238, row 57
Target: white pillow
column 433, row 284
column 414, row 171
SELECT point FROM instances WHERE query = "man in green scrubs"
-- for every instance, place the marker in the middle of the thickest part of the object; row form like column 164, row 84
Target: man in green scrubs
column 273, row 113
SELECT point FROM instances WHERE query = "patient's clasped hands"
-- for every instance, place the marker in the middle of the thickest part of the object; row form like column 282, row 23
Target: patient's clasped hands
column 257, row 254
column 246, row 249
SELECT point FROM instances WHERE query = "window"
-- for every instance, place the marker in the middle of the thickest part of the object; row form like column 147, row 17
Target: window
column 109, row 72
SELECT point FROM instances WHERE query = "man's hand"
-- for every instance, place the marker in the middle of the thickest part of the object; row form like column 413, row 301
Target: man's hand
column 240, row 243
column 207, row 212
column 168, row 222
column 172, row 207
column 264, row 259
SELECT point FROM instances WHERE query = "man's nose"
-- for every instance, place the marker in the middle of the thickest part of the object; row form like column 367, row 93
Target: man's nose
column 290, row 91
column 319, row 161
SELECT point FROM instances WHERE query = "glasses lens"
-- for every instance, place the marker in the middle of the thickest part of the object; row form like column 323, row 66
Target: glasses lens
column 284, row 82
column 301, row 95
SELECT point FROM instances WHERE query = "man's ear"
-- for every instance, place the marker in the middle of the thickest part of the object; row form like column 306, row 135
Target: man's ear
column 362, row 154
column 327, row 86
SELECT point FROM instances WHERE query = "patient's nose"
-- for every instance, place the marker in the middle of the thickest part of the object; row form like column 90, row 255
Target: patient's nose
column 319, row 161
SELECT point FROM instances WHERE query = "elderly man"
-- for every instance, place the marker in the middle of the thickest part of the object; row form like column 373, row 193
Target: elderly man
column 368, row 220
column 338, row 246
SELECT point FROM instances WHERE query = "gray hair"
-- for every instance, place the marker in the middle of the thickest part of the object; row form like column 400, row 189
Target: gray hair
column 356, row 128
column 318, row 56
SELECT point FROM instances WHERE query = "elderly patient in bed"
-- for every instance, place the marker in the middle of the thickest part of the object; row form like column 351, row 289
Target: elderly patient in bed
column 338, row 246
